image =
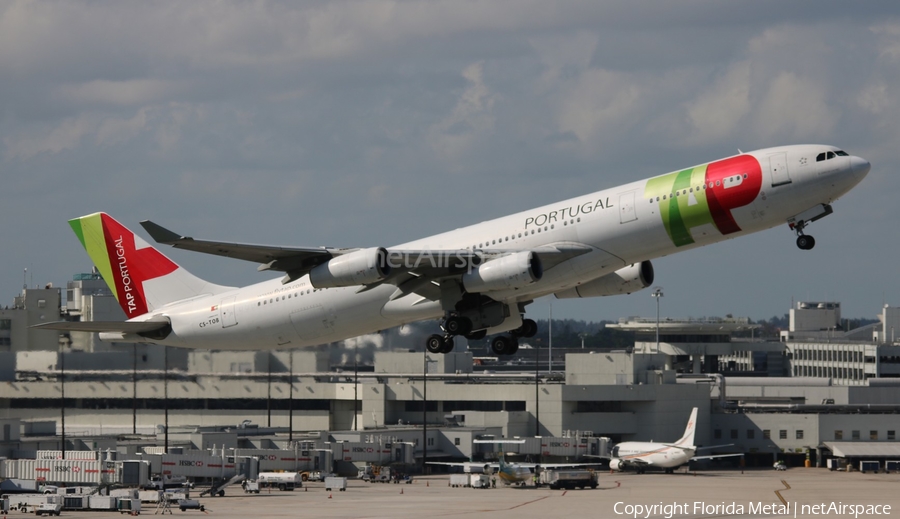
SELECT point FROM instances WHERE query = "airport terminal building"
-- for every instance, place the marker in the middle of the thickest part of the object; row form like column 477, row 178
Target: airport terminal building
column 780, row 399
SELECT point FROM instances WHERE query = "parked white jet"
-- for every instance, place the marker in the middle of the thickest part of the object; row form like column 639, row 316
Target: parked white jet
column 668, row 456
column 479, row 279
column 510, row 473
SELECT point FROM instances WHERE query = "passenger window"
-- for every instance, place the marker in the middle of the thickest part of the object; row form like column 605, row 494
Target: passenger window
column 657, row 199
column 820, row 157
column 718, row 183
column 745, row 175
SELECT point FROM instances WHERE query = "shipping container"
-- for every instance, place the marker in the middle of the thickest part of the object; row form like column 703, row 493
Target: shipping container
column 75, row 502
column 459, row 480
column 63, row 471
column 479, row 481
column 336, row 483
column 102, row 502
column 70, row 455
column 869, row 466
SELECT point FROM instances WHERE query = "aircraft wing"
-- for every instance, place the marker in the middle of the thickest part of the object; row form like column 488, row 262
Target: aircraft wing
column 417, row 271
column 714, row 456
column 105, row 326
column 296, row 261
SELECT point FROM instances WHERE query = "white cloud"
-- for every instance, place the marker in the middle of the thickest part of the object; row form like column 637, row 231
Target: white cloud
column 715, row 113
column 793, row 109
column 597, row 106
column 472, row 117
column 64, row 135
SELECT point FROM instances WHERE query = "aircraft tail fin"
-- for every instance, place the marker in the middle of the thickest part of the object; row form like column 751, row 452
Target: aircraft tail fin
column 687, row 440
column 141, row 278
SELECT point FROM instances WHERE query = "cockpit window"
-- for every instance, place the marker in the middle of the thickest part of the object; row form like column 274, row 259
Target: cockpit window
column 841, row 153
column 829, row 155
column 820, row 157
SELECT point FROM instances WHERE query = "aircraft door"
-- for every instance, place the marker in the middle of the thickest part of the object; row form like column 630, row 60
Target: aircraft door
column 626, row 207
column 226, row 312
column 779, row 169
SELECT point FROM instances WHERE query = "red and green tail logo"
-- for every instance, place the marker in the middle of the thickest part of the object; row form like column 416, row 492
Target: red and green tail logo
column 124, row 260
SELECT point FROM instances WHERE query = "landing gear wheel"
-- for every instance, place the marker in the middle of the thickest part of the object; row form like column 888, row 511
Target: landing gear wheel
column 504, row 345
column 528, row 329
column 435, row 343
column 448, row 344
column 806, row 242
column 476, row 336
column 457, row 325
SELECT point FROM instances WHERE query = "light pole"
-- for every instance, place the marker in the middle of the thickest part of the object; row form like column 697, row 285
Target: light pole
column 657, row 293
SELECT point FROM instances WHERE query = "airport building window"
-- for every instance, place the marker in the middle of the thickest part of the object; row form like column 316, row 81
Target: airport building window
column 750, row 434
column 734, row 434
column 782, row 434
column 838, row 435
column 892, row 435
column 767, row 434
column 455, row 441
column 873, row 435
column 717, row 434
column 799, row 434
column 855, row 435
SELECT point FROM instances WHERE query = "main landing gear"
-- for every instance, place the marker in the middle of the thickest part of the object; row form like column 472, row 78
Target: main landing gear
column 457, row 325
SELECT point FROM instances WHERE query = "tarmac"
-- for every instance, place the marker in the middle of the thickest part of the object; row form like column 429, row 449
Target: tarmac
column 797, row 492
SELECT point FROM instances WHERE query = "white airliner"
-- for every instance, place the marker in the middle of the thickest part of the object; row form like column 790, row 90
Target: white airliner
column 477, row 280
column 669, row 456
column 510, row 473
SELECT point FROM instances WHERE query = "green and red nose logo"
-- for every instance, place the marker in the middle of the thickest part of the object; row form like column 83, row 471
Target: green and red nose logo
column 705, row 195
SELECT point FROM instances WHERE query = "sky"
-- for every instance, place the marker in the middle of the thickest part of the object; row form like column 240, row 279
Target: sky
column 376, row 122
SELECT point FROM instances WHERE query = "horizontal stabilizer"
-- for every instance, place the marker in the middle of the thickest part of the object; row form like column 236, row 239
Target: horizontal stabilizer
column 135, row 327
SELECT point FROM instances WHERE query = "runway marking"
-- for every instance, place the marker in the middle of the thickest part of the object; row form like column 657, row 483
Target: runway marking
column 463, row 512
column 778, row 492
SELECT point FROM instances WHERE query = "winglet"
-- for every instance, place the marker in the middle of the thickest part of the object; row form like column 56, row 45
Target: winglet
column 162, row 235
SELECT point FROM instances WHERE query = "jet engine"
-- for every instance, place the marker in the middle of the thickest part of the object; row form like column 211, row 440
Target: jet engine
column 623, row 281
column 355, row 268
column 616, row 464
column 506, row 272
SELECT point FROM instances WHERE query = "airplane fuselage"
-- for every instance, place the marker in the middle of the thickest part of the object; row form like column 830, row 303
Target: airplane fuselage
column 621, row 226
column 651, row 454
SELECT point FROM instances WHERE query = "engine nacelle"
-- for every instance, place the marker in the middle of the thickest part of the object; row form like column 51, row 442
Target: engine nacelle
column 355, row 268
column 506, row 272
column 623, row 281
column 616, row 464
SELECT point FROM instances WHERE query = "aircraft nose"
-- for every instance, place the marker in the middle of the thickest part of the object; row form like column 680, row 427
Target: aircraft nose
column 859, row 166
